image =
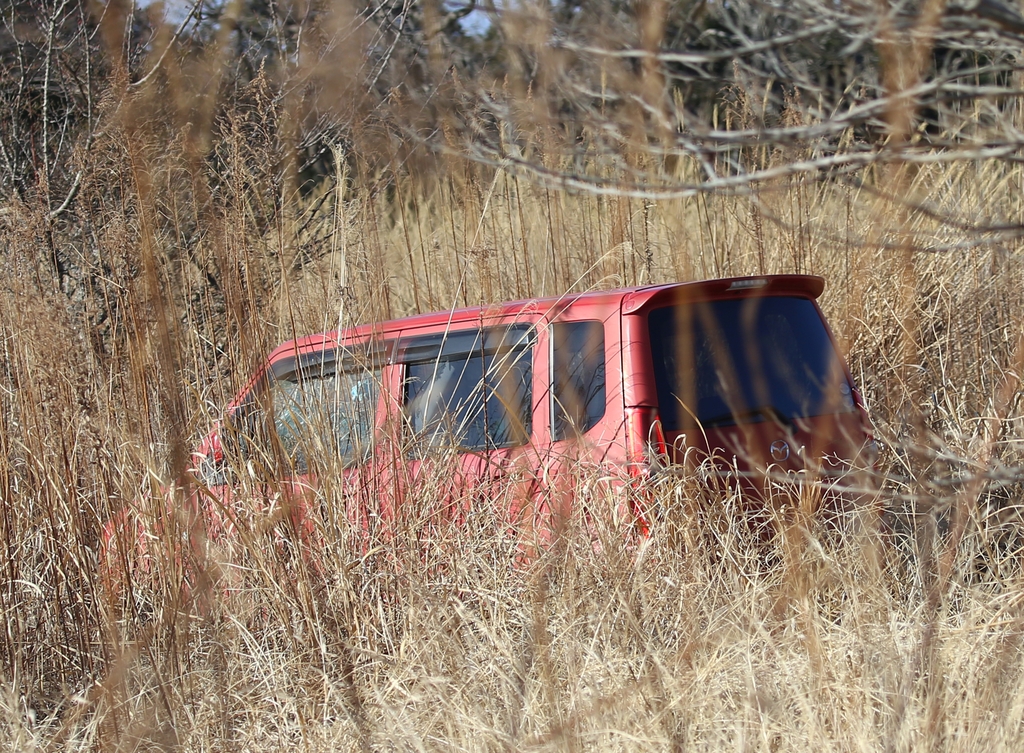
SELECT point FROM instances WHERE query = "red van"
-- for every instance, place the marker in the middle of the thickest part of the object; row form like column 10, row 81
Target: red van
column 736, row 376
column 741, row 370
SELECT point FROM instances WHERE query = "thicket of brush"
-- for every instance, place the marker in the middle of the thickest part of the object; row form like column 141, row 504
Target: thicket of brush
column 187, row 249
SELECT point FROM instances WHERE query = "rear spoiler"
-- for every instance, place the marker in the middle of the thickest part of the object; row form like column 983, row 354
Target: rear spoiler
column 803, row 286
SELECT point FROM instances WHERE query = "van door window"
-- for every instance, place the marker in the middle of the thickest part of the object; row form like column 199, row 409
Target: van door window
column 326, row 416
column 744, row 361
column 469, row 390
column 577, row 377
column 319, row 411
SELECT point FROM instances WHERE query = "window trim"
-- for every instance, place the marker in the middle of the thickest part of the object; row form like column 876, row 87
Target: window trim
column 344, row 358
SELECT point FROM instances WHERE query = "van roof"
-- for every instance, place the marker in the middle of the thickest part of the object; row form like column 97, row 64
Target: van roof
column 632, row 299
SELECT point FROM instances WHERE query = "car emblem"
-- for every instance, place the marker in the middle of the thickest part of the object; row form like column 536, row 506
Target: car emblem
column 780, row 450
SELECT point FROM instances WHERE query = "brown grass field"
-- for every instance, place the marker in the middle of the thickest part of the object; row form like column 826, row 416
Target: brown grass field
column 904, row 634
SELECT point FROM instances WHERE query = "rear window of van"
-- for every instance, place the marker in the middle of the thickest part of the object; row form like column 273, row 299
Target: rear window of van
column 745, row 360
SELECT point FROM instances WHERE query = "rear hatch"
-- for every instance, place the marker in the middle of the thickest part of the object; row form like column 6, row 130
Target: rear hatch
column 753, row 381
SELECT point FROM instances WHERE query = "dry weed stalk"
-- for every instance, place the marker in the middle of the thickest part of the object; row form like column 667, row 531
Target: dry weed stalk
column 185, row 248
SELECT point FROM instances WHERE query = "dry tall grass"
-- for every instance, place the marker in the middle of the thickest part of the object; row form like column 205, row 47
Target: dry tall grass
column 907, row 637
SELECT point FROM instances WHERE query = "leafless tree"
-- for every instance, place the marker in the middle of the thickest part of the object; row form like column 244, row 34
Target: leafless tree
column 613, row 97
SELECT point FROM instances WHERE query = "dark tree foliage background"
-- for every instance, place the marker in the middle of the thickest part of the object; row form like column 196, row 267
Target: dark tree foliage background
column 648, row 98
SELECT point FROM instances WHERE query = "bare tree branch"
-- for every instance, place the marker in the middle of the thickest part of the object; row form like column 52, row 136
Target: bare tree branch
column 193, row 12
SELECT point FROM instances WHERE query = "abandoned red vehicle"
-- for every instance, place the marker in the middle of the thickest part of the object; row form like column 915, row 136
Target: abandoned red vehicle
column 741, row 375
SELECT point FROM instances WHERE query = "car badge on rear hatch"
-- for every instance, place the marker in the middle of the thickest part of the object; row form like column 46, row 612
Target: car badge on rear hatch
column 780, row 450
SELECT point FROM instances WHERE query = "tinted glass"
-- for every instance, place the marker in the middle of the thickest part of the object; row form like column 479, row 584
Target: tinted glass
column 577, row 377
column 469, row 390
column 323, row 409
column 744, row 360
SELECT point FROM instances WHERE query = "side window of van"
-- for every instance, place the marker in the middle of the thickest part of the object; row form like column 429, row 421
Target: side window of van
column 322, row 409
column 469, row 390
column 577, row 377
column 326, row 416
